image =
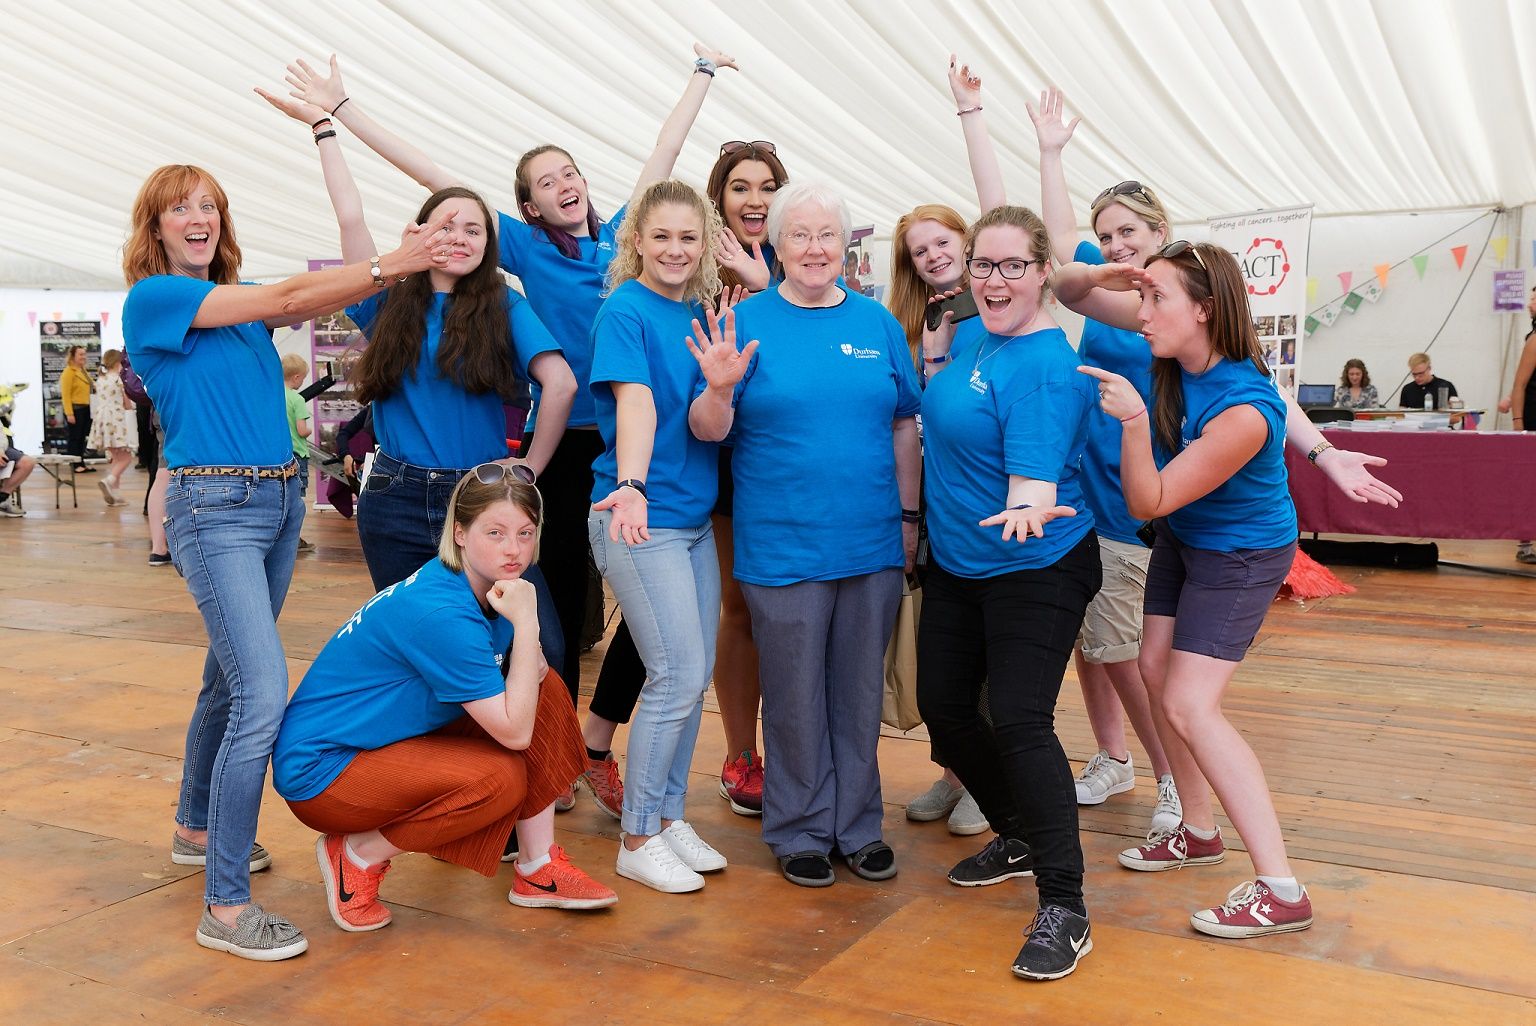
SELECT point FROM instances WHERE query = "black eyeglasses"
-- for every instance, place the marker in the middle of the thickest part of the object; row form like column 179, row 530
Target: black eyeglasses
column 1174, row 249
column 1013, row 268
column 737, row 145
column 494, row 473
column 1123, row 189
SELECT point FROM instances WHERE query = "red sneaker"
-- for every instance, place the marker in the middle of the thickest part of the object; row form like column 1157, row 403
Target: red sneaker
column 1174, row 850
column 601, row 777
column 351, row 894
column 741, row 784
column 1253, row 910
column 559, row 884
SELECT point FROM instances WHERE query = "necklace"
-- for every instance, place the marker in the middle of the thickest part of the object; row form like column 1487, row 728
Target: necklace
column 982, row 356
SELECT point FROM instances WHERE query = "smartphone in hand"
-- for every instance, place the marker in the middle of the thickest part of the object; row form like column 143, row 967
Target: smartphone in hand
column 964, row 306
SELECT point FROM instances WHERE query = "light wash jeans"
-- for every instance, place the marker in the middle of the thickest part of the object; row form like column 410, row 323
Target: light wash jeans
column 234, row 539
column 669, row 590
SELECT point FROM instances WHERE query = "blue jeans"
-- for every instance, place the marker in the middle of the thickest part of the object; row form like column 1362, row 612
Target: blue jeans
column 669, row 590
column 234, row 539
column 400, row 517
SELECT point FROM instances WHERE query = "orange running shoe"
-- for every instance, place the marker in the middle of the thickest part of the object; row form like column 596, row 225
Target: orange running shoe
column 559, row 884
column 741, row 784
column 351, row 894
column 601, row 777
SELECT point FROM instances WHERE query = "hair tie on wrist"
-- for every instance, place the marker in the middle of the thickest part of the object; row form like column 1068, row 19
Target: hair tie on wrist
column 343, row 103
column 323, row 121
column 1133, row 416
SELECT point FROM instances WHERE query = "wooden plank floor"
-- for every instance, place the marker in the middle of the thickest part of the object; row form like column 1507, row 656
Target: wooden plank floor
column 1397, row 725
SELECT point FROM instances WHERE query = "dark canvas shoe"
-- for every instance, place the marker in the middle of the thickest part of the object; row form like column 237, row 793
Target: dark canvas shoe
column 1173, row 850
column 1058, row 939
column 1253, row 910
column 1002, row 859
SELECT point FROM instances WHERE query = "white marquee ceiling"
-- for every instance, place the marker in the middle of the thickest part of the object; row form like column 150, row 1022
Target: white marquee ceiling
column 1352, row 105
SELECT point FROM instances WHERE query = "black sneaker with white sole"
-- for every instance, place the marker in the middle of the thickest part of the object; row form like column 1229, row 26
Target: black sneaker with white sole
column 1002, row 859
column 1058, row 939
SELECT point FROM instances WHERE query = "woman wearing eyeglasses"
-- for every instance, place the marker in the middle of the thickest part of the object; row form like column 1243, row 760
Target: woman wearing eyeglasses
column 741, row 185
column 1005, row 421
column 651, row 500
column 1207, row 462
column 417, row 727
column 559, row 249
column 826, row 472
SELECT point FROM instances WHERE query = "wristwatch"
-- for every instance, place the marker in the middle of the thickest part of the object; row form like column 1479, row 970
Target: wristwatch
column 638, row 486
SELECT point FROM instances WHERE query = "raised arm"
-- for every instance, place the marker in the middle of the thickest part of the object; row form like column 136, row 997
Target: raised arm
column 1055, row 202
column 985, row 171
column 711, row 414
column 674, row 130
column 356, row 242
column 1108, row 293
column 328, row 93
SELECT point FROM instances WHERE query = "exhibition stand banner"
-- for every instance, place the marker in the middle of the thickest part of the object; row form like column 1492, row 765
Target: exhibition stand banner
column 1271, row 248
column 55, row 340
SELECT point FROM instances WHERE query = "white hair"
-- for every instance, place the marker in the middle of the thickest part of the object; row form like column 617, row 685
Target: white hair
column 795, row 195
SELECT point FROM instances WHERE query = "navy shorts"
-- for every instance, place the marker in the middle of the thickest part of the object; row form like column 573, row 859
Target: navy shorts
column 12, row 454
column 1217, row 599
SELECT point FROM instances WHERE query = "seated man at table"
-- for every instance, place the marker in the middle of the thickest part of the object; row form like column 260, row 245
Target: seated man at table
column 1424, row 384
column 15, row 465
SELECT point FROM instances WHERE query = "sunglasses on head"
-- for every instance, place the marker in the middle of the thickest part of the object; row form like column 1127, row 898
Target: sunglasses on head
column 1123, row 189
column 495, row 473
column 737, row 145
column 1179, row 248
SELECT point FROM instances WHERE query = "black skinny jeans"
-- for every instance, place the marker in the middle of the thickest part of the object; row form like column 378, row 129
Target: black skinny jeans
column 1015, row 631
column 566, row 486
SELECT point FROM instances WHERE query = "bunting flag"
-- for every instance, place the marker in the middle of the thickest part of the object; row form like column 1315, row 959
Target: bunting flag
column 1370, row 292
column 1421, row 261
column 1382, row 270
column 1312, row 324
column 79, row 315
column 1345, row 277
column 1352, row 302
column 1500, row 247
column 1330, row 313
column 1460, row 253
column 1312, row 284
column 58, row 315
column 104, row 315
column 32, row 317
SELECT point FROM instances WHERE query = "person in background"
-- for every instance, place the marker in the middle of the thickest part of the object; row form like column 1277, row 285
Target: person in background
column 113, row 430
column 1521, row 404
column 75, row 397
column 295, row 370
column 1425, row 386
column 1355, row 391
column 20, row 466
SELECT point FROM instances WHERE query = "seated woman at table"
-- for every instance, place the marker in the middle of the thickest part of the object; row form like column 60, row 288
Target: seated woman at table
column 1355, row 391
column 418, row 728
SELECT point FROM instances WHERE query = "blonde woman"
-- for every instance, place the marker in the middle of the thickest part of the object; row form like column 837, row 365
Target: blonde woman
column 653, row 489
column 114, row 430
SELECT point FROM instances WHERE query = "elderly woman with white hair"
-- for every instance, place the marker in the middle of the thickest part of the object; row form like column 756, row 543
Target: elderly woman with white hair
column 826, row 469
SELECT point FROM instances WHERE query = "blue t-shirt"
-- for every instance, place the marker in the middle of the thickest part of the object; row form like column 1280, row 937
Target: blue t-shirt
column 814, row 467
column 219, row 391
column 1006, row 405
column 640, row 336
column 1125, row 353
column 565, row 293
column 431, row 421
column 1252, row 509
column 402, row 666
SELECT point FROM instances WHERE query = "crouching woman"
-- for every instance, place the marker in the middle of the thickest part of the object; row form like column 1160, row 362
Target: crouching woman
column 419, row 729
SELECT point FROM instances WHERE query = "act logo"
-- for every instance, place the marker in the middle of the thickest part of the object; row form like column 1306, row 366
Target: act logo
column 1265, row 266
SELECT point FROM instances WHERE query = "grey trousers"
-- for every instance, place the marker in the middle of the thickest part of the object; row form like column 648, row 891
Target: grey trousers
column 821, row 659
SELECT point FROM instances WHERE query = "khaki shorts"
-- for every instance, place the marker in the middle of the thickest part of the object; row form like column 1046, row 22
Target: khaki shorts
column 1112, row 626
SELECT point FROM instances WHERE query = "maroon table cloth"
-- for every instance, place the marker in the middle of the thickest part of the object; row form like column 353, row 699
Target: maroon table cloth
column 1455, row 484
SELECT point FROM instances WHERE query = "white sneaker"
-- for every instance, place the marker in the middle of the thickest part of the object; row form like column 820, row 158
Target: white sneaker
column 967, row 819
column 1170, row 811
column 10, row 505
column 1103, row 777
column 657, row 866
column 688, row 846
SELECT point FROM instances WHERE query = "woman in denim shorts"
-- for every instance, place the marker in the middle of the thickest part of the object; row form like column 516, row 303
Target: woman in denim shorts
column 1208, row 465
column 233, row 506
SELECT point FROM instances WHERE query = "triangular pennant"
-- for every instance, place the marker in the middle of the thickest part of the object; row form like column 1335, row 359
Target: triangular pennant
column 1421, row 261
column 58, row 315
column 1382, row 270
column 1500, row 247
column 32, row 317
column 1460, row 253
column 104, row 315
column 1345, row 277
column 1311, row 290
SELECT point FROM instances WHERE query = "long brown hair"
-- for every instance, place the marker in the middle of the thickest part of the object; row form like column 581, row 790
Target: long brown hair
column 1365, row 375
column 475, row 325
column 719, row 177
column 564, row 241
column 144, row 254
column 1213, row 280
column 471, row 498
column 909, row 293
column 704, row 284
